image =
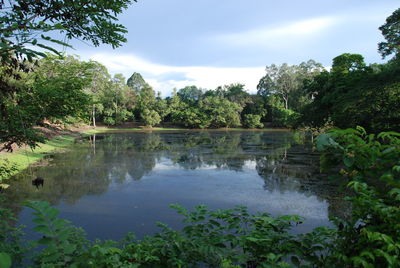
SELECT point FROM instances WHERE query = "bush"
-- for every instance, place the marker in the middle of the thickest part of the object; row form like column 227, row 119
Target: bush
column 150, row 118
column 252, row 121
column 282, row 117
column 371, row 164
column 7, row 169
column 217, row 238
column 11, row 244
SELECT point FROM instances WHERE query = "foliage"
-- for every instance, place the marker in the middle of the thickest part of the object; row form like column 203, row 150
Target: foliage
column 27, row 28
column 233, row 237
column 371, row 165
column 352, row 94
column 11, row 244
column 150, row 117
column 190, row 117
column 61, row 240
column 7, row 169
column 100, row 84
column 136, row 82
column 391, row 32
column 117, row 101
column 190, row 94
column 220, row 238
column 210, row 111
column 286, row 81
column 252, row 121
column 278, row 115
column 221, row 112
column 54, row 92
column 234, row 93
column 23, row 22
column 347, row 62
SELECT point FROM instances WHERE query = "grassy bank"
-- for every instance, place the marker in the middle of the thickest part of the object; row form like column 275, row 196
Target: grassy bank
column 24, row 157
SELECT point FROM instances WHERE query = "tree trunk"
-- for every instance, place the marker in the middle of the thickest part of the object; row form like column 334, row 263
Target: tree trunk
column 94, row 116
column 286, row 103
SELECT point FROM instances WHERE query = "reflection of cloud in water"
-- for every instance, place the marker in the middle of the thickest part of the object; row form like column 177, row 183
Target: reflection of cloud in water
column 277, row 202
column 223, row 186
column 166, row 164
column 250, row 164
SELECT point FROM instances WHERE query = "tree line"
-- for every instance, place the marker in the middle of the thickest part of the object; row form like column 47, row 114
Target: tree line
column 64, row 89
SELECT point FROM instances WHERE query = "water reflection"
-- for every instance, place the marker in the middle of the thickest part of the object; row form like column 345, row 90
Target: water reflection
column 128, row 179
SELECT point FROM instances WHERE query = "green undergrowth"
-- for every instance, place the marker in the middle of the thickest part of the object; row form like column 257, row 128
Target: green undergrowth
column 22, row 158
column 233, row 238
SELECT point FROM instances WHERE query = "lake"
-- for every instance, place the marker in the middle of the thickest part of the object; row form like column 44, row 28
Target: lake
column 111, row 184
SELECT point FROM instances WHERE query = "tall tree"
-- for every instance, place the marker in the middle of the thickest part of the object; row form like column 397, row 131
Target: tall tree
column 391, row 32
column 279, row 80
column 116, row 101
column 28, row 27
column 54, row 91
column 346, row 63
column 136, row 82
column 237, row 93
column 190, row 94
column 100, row 80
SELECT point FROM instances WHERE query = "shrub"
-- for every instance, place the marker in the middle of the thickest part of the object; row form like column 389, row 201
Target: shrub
column 252, row 121
column 150, row 118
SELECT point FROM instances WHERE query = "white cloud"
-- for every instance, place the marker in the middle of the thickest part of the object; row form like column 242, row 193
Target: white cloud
column 278, row 36
column 201, row 76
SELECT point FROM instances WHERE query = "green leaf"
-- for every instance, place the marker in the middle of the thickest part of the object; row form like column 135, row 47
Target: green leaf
column 214, row 222
column 45, row 241
column 52, row 213
column 348, row 161
column 295, row 260
column 5, row 260
column 39, row 221
column 42, row 229
column 252, row 239
column 69, row 248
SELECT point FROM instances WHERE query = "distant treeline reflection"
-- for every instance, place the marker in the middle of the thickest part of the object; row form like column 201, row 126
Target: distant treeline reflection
column 284, row 160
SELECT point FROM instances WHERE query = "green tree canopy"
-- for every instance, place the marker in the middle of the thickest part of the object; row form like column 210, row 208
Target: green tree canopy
column 347, row 62
column 26, row 25
column 190, row 94
column 391, row 32
column 286, row 80
column 136, row 82
column 27, row 28
column 54, row 91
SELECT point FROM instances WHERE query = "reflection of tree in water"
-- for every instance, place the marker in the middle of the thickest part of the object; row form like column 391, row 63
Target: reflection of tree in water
column 93, row 165
column 294, row 168
column 222, row 150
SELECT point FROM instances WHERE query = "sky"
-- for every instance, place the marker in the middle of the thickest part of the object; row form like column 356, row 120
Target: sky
column 209, row 43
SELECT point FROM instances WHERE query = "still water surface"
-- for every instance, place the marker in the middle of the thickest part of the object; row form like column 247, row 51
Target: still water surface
column 112, row 184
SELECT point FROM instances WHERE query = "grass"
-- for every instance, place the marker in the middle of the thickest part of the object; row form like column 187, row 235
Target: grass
column 24, row 157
